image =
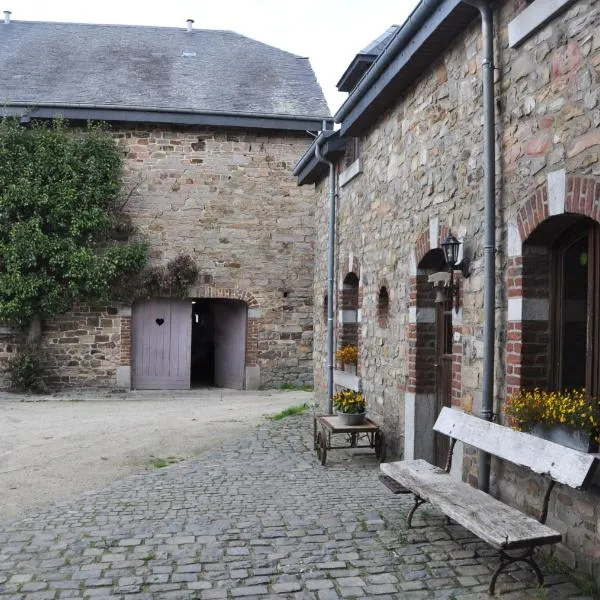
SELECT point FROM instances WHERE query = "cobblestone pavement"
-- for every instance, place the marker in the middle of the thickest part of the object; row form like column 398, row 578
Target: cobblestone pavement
column 257, row 517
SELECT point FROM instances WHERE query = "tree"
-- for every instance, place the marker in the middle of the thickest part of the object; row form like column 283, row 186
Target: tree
column 60, row 204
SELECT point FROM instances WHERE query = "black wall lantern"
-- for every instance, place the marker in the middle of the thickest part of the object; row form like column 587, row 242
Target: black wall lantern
column 451, row 246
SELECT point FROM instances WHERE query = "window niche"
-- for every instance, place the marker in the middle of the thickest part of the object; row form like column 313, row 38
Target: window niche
column 383, row 307
column 349, row 311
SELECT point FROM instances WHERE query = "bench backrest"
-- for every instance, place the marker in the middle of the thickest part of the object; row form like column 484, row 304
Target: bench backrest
column 564, row 465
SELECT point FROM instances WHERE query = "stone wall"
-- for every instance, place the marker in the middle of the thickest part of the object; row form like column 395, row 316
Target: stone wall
column 422, row 176
column 228, row 199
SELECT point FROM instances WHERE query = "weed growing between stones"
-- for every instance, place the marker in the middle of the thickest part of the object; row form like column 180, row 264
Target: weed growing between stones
column 160, row 463
column 287, row 412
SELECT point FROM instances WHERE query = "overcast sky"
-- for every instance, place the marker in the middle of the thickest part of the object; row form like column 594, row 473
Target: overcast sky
column 329, row 32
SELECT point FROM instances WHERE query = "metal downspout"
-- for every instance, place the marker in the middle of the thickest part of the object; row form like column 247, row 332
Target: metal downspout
column 489, row 244
column 330, row 275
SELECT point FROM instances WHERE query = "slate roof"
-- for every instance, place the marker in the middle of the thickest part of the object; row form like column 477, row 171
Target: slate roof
column 364, row 59
column 377, row 46
column 154, row 69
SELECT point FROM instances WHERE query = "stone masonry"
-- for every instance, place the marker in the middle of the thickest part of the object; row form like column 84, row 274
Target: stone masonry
column 228, row 199
column 421, row 175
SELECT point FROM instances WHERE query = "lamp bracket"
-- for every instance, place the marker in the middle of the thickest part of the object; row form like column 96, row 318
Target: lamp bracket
column 463, row 267
column 441, row 278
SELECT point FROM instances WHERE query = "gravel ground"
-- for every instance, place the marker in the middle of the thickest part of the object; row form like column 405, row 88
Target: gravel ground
column 54, row 447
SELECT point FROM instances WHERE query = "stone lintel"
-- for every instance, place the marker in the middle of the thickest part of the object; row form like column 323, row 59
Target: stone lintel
column 434, row 231
column 557, row 192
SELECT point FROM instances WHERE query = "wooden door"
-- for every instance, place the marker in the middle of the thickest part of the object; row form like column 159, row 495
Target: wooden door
column 230, row 344
column 443, row 373
column 161, row 337
column 575, row 327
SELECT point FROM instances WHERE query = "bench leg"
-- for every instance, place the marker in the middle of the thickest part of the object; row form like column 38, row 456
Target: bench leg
column 418, row 502
column 507, row 559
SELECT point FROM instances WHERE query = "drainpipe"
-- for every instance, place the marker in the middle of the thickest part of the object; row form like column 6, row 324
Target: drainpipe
column 330, row 274
column 489, row 244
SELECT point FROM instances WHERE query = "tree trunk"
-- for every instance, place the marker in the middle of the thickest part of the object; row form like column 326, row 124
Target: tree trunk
column 34, row 334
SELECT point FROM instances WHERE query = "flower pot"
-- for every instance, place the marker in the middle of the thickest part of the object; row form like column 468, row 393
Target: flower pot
column 351, row 419
column 566, row 436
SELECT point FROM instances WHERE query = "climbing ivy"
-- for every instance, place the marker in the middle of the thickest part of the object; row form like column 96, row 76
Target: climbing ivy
column 60, row 204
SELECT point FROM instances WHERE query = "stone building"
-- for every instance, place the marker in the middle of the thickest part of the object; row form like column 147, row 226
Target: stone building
column 409, row 170
column 210, row 124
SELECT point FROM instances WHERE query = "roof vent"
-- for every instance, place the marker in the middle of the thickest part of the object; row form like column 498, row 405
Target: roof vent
column 7, row 14
column 190, row 23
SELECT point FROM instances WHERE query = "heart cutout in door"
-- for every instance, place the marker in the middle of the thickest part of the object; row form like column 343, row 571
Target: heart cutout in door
column 159, row 322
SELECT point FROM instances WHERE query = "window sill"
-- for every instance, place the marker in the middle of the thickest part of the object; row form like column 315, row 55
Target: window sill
column 533, row 18
column 348, row 174
column 347, row 380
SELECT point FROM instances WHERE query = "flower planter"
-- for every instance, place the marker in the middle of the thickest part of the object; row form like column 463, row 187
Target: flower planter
column 566, row 436
column 351, row 419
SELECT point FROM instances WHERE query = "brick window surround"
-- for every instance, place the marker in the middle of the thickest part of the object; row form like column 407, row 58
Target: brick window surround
column 421, row 328
column 528, row 282
column 349, row 301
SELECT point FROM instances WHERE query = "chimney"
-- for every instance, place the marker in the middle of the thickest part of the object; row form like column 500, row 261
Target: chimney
column 7, row 14
column 190, row 23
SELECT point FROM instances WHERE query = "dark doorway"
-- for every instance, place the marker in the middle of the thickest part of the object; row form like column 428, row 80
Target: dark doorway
column 218, row 347
column 203, row 344
column 433, row 361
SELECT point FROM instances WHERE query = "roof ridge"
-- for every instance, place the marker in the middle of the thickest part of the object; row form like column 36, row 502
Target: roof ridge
column 161, row 27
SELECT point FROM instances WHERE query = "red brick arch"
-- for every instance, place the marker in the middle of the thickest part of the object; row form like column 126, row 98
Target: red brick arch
column 582, row 197
column 213, row 291
column 422, row 247
column 254, row 323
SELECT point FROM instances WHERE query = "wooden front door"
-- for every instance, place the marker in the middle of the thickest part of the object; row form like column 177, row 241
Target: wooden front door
column 230, row 344
column 161, row 338
column 443, row 373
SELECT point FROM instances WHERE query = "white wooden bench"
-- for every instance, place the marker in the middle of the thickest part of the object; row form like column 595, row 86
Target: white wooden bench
column 498, row 524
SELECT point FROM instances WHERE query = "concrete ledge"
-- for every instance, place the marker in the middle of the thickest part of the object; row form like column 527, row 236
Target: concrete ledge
column 347, row 380
column 348, row 174
column 252, row 378
column 534, row 17
column 124, row 378
column 9, row 329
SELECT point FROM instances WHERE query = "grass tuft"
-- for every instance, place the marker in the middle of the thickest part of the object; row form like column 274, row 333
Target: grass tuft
column 288, row 412
column 160, row 463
